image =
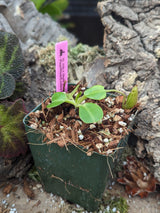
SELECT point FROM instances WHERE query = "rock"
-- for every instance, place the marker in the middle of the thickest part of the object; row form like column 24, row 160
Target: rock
column 132, row 45
column 30, row 26
column 15, row 167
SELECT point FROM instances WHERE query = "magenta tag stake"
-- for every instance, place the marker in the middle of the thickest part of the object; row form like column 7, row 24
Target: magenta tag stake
column 61, row 59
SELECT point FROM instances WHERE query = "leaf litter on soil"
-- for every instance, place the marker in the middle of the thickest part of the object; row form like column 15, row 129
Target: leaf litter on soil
column 137, row 178
column 63, row 126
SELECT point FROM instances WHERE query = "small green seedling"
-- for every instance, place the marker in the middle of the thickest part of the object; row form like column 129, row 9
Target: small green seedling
column 91, row 112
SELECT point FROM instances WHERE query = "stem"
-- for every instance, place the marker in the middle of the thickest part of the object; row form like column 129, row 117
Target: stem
column 71, row 102
column 74, row 91
column 114, row 90
column 77, row 96
column 81, row 99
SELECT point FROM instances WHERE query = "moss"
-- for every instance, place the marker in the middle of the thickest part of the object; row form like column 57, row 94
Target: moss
column 79, row 57
column 114, row 204
column 33, row 174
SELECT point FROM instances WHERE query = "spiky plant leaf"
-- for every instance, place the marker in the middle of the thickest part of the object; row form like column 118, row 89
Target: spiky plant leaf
column 12, row 134
column 11, row 63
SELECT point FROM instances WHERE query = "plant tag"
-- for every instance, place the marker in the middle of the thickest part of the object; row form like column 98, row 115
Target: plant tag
column 61, row 60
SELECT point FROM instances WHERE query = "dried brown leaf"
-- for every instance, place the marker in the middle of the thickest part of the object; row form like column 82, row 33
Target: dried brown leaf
column 60, row 117
column 106, row 62
column 61, row 143
column 7, row 189
column 27, row 190
column 137, row 178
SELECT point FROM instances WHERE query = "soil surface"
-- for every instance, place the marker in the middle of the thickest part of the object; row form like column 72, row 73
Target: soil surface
column 18, row 202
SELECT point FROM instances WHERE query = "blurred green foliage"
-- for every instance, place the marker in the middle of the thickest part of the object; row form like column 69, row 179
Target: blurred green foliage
column 12, row 134
column 53, row 8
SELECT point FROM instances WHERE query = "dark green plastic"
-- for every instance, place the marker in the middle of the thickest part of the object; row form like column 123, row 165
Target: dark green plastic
column 70, row 173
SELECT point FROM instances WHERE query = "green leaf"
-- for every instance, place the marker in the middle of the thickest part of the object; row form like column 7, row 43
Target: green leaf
column 11, row 63
column 55, row 8
column 7, row 85
column 96, row 92
column 58, row 98
column 131, row 99
column 38, row 3
column 90, row 113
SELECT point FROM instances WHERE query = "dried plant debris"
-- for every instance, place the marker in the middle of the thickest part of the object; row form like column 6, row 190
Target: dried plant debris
column 27, row 190
column 8, row 188
column 63, row 126
column 137, row 178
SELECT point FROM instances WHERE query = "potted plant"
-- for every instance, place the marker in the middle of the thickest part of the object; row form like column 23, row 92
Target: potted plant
column 75, row 137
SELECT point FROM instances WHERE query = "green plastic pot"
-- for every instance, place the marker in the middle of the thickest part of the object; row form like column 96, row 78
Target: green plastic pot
column 70, row 173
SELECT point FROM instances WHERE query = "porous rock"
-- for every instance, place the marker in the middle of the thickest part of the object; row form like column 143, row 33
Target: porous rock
column 132, row 47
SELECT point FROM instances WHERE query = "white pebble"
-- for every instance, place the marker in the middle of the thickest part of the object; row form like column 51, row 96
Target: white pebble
column 145, row 174
column 7, row 195
column 27, row 201
column 13, row 210
column 34, row 126
column 121, row 111
column 4, row 202
column 109, row 152
column 79, row 132
column 108, row 208
column 131, row 117
column 106, row 140
column 124, row 163
column 99, row 145
column 120, row 130
column 62, row 202
column 13, row 205
column 78, row 206
column 80, row 122
column 121, row 123
column 92, row 126
column 39, row 186
column 106, row 117
column 81, row 137
column 114, row 209
column 83, row 88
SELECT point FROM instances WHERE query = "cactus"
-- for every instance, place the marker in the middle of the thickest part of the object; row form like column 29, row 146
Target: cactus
column 11, row 63
column 12, row 134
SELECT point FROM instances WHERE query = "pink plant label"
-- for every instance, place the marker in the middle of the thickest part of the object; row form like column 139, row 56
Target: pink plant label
column 61, row 57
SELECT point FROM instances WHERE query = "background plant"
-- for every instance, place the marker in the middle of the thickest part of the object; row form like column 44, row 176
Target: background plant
column 11, row 63
column 53, row 8
column 12, row 134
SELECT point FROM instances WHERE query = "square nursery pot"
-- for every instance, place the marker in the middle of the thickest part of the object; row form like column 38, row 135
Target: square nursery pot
column 70, row 173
